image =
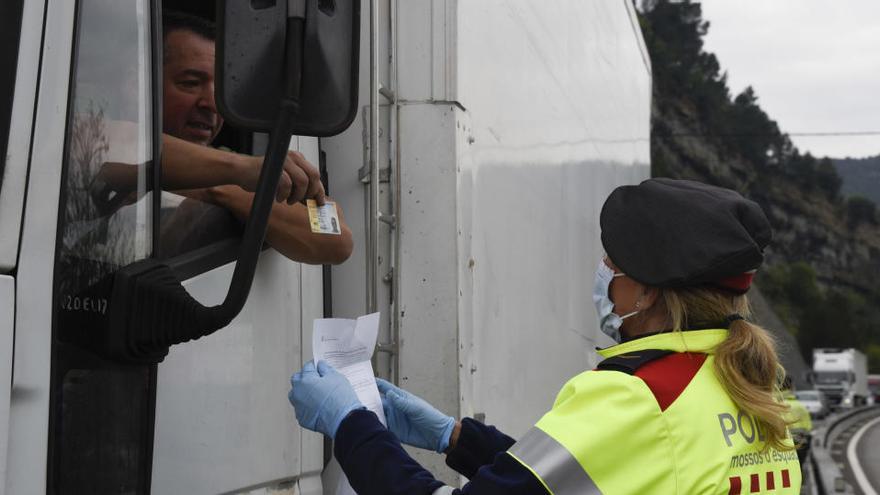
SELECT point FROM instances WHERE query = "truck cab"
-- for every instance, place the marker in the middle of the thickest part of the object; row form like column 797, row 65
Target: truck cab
column 842, row 375
column 210, row 417
column 485, row 139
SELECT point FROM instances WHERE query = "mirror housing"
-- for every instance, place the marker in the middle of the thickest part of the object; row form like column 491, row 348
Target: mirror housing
column 259, row 41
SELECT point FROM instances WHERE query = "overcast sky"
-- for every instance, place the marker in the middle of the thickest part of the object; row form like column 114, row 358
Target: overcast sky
column 815, row 65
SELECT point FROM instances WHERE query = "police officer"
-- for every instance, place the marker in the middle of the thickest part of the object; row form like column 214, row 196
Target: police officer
column 687, row 402
column 800, row 423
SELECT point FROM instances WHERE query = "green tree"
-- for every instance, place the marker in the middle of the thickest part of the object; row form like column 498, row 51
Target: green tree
column 873, row 354
column 800, row 285
column 752, row 133
column 827, row 178
column 860, row 210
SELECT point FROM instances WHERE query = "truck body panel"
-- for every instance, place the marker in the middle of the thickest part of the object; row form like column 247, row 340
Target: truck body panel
column 559, row 109
column 511, row 123
column 222, row 418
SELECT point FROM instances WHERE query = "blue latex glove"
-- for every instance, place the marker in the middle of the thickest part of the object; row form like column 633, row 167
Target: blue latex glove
column 414, row 421
column 322, row 398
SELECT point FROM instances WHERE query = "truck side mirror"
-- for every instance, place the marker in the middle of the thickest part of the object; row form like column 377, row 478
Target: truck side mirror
column 303, row 49
column 284, row 66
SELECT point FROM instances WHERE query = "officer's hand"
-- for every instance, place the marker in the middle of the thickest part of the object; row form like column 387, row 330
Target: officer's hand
column 300, row 180
column 414, row 421
column 322, row 398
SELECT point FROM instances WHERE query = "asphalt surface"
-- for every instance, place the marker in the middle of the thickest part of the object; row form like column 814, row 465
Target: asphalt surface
column 868, row 452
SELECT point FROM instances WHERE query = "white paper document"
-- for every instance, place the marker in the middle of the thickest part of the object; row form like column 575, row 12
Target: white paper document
column 348, row 345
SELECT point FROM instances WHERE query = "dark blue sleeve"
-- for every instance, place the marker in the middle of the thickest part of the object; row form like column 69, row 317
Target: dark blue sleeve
column 477, row 446
column 505, row 476
column 376, row 464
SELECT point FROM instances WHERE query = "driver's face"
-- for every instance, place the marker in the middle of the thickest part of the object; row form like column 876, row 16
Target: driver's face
column 189, row 111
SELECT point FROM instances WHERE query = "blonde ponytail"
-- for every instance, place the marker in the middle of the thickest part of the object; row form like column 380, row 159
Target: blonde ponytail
column 746, row 362
column 747, row 366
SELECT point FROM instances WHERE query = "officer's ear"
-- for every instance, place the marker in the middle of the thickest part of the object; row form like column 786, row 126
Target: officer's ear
column 648, row 298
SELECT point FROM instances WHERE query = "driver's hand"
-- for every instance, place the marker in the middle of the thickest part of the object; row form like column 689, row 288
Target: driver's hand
column 300, row 180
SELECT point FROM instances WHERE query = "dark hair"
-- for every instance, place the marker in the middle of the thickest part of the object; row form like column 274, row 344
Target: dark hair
column 174, row 21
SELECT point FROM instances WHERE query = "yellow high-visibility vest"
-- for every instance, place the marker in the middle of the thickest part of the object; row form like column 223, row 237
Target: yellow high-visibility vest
column 798, row 416
column 663, row 425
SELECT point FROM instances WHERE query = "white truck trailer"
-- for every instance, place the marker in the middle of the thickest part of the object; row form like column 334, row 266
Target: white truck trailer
column 842, row 375
column 495, row 128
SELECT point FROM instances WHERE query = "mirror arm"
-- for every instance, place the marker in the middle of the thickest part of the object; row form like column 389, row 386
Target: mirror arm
column 258, row 221
column 150, row 310
column 273, row 162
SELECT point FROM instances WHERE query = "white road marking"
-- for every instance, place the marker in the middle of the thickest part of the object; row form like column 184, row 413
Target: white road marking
column 858, row 472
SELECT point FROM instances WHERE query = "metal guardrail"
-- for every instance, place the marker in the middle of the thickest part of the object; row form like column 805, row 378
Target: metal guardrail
column 843, row 417
column 829, row 478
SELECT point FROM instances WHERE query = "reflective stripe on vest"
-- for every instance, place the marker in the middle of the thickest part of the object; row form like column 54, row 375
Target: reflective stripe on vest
column 444, row 490
column 560, row 472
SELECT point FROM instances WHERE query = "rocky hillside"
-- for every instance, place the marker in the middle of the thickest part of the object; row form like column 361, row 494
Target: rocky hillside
column 823, row 268
column 808, row 225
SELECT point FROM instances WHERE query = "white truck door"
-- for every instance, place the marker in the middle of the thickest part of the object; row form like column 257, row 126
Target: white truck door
column 7, row 310
column 38, row 130
column 223, row 423
column 11, row 199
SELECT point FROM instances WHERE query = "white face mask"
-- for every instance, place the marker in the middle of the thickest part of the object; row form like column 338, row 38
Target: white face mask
column 608, row 321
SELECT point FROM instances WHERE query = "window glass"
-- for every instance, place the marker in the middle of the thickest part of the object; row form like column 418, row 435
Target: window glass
column 194, row 217
column 107, row 214
column 831, row 377
column 195, row 221
column 190, row 223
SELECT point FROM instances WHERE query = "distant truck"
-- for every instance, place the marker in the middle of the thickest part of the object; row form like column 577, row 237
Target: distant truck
column 842, row 375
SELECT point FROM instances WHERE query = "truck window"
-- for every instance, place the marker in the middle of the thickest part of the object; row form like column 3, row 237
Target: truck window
column 832, row 377
column 10, row 32
column 195, row 233
column 106, row 211
column 101, row 433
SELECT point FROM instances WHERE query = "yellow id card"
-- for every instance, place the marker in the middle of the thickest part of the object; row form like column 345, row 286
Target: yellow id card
column 323, row 219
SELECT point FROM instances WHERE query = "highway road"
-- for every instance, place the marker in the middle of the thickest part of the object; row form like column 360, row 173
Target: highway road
column 863, row 454
column 855, row 448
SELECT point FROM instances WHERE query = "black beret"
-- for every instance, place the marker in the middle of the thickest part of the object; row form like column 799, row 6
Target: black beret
column 683, row 233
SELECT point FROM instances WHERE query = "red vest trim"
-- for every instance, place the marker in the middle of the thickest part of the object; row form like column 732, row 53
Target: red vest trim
column 668, row 376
